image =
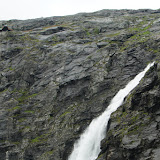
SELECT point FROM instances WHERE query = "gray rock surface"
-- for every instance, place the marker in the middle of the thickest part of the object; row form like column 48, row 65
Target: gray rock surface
column 136, row 133
column 58, row 73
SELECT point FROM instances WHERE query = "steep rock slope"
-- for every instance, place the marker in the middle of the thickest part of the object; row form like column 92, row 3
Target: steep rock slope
column 58, row 73
column 133, row 131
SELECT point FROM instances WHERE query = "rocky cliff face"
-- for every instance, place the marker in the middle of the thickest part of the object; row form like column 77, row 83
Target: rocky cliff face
column 58, row 73
column 133, row 131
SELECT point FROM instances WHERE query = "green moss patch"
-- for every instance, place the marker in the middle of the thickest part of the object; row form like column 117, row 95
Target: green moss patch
column 14, row 108
column 40, row 139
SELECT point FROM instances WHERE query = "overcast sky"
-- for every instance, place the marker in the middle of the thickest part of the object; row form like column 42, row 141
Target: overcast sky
column 26, row 9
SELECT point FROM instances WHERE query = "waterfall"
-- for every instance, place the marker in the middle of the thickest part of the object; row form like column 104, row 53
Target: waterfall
column 88, row 146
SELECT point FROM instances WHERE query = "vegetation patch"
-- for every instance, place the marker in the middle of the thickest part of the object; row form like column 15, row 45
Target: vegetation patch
column 4, row 91
column 64, row 114
column 87, row 32
column 21, row 120
column 11, row 69
column 25, row 96
column 29, row 112
column 14, row 108
column 96, row 30
column 40, row 139
column 113, row 34
column 140, row 32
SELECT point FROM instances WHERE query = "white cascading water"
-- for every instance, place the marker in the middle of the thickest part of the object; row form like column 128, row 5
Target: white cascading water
column 88, row 146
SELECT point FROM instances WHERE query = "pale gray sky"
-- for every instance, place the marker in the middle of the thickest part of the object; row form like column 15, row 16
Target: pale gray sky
column 26, row 9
